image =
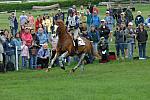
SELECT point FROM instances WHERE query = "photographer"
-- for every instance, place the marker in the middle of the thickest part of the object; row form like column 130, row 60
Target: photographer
column 2, row 40
column 130, row 35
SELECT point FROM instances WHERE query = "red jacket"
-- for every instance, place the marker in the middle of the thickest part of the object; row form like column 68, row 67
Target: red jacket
column 27, row 37
column 37, row 23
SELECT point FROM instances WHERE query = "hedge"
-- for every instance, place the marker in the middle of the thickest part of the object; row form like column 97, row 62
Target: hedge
column 28, row 6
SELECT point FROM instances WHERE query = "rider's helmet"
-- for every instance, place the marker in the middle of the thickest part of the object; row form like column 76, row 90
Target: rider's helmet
column 70, row 11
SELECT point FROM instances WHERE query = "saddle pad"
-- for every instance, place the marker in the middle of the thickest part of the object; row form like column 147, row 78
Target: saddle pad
column 80, row 41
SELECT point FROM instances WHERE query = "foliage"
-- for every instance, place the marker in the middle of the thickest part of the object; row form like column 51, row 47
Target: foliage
column 28, row 6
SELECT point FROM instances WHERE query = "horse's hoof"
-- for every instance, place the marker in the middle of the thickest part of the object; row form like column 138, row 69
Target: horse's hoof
column 62, row 68
column 47, row 70
column 72, row 71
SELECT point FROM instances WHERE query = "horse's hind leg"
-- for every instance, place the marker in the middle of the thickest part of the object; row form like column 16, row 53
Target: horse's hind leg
column 79, row 63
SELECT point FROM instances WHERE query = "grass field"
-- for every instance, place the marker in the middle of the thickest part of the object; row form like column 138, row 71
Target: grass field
column 118, row 80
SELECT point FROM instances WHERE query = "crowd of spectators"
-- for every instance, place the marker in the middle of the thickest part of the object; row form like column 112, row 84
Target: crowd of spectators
column 32, row 36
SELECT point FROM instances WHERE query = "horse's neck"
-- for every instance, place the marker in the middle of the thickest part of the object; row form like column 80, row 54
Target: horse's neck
column 64, row 35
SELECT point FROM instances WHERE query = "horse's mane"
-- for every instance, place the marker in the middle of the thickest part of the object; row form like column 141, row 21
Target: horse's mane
column 62, row 27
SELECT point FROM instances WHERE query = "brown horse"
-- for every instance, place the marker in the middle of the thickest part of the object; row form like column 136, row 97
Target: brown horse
column 65, row 47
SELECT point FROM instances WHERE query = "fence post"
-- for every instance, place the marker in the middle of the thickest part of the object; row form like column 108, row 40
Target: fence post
column 17, row 58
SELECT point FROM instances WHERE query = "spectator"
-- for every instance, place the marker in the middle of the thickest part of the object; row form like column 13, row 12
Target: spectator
column 17, row 41
column 95, row 20
column 27, row 37
column 6, row 32
column 139, row 19
column 33, row 56
column 130, row 35
column 49, row 24
column 94, row 37
column 42, row 37
column 37, row 23
column 59, row 15
column 90, row 7
column 119, row 41
column 13, row 23
column 103, row 50
column 53, row 42
column 43, row 56
column 142, row 37
column 24, row 54
column 104, row 30
column 123, row 28
column 9, row 49
column 23, row 19
column 128, row 14
column 82, row 9
column 109, row 23
column 147, row 22
column 82, row 20
column 123, row 19
column 35, row 40
column 2, row 40
column 31, row 20
column 88, row 21
column 95, row 9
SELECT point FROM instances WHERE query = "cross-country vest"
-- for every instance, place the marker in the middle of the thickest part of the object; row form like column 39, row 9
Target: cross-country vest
column 72, row 21
column 149, row 20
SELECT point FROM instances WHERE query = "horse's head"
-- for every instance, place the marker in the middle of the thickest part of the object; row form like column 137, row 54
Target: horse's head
column 61, row 29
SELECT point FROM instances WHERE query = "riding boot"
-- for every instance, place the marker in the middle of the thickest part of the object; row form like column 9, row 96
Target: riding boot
column 76, row 45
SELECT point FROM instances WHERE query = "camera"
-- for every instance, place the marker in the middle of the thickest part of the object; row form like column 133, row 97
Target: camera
column 1, row 32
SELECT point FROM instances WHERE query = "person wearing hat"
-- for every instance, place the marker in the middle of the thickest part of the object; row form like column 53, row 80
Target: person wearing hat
column 109, row 23
column 59, row 15
column 139, row 18
column 104, row 30
column 43, row 56
column 123, row 19
column 72, row 23
column 130, row 37
column 95, row 20
column 147, row 22
column 23, row 19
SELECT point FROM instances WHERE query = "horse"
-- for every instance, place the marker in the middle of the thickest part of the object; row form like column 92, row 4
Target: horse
column 65, row 47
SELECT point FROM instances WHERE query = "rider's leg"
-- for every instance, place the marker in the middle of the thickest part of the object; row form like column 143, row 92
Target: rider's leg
column 76, row 31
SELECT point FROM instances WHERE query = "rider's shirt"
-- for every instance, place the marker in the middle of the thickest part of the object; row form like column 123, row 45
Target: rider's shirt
column 73, row 22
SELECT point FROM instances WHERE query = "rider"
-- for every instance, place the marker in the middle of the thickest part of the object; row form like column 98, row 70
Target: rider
column 73, row 26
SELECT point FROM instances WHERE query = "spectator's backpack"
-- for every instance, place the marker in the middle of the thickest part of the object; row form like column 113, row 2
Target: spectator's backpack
column 10, row 66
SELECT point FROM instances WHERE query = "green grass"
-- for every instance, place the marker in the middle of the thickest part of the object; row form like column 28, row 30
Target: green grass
column 118, row 80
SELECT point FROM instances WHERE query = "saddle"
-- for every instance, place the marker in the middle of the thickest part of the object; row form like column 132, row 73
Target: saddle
column 80, row 42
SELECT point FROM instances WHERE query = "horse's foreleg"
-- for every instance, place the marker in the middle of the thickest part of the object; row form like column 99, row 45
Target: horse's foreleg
column 61, row 59
column 79, row 63
column 52, row 62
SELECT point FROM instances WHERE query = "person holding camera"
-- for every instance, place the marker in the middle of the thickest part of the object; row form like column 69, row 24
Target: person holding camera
column 119, row 41
column 9, row 49
column 130, row 36
column 2, row 40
